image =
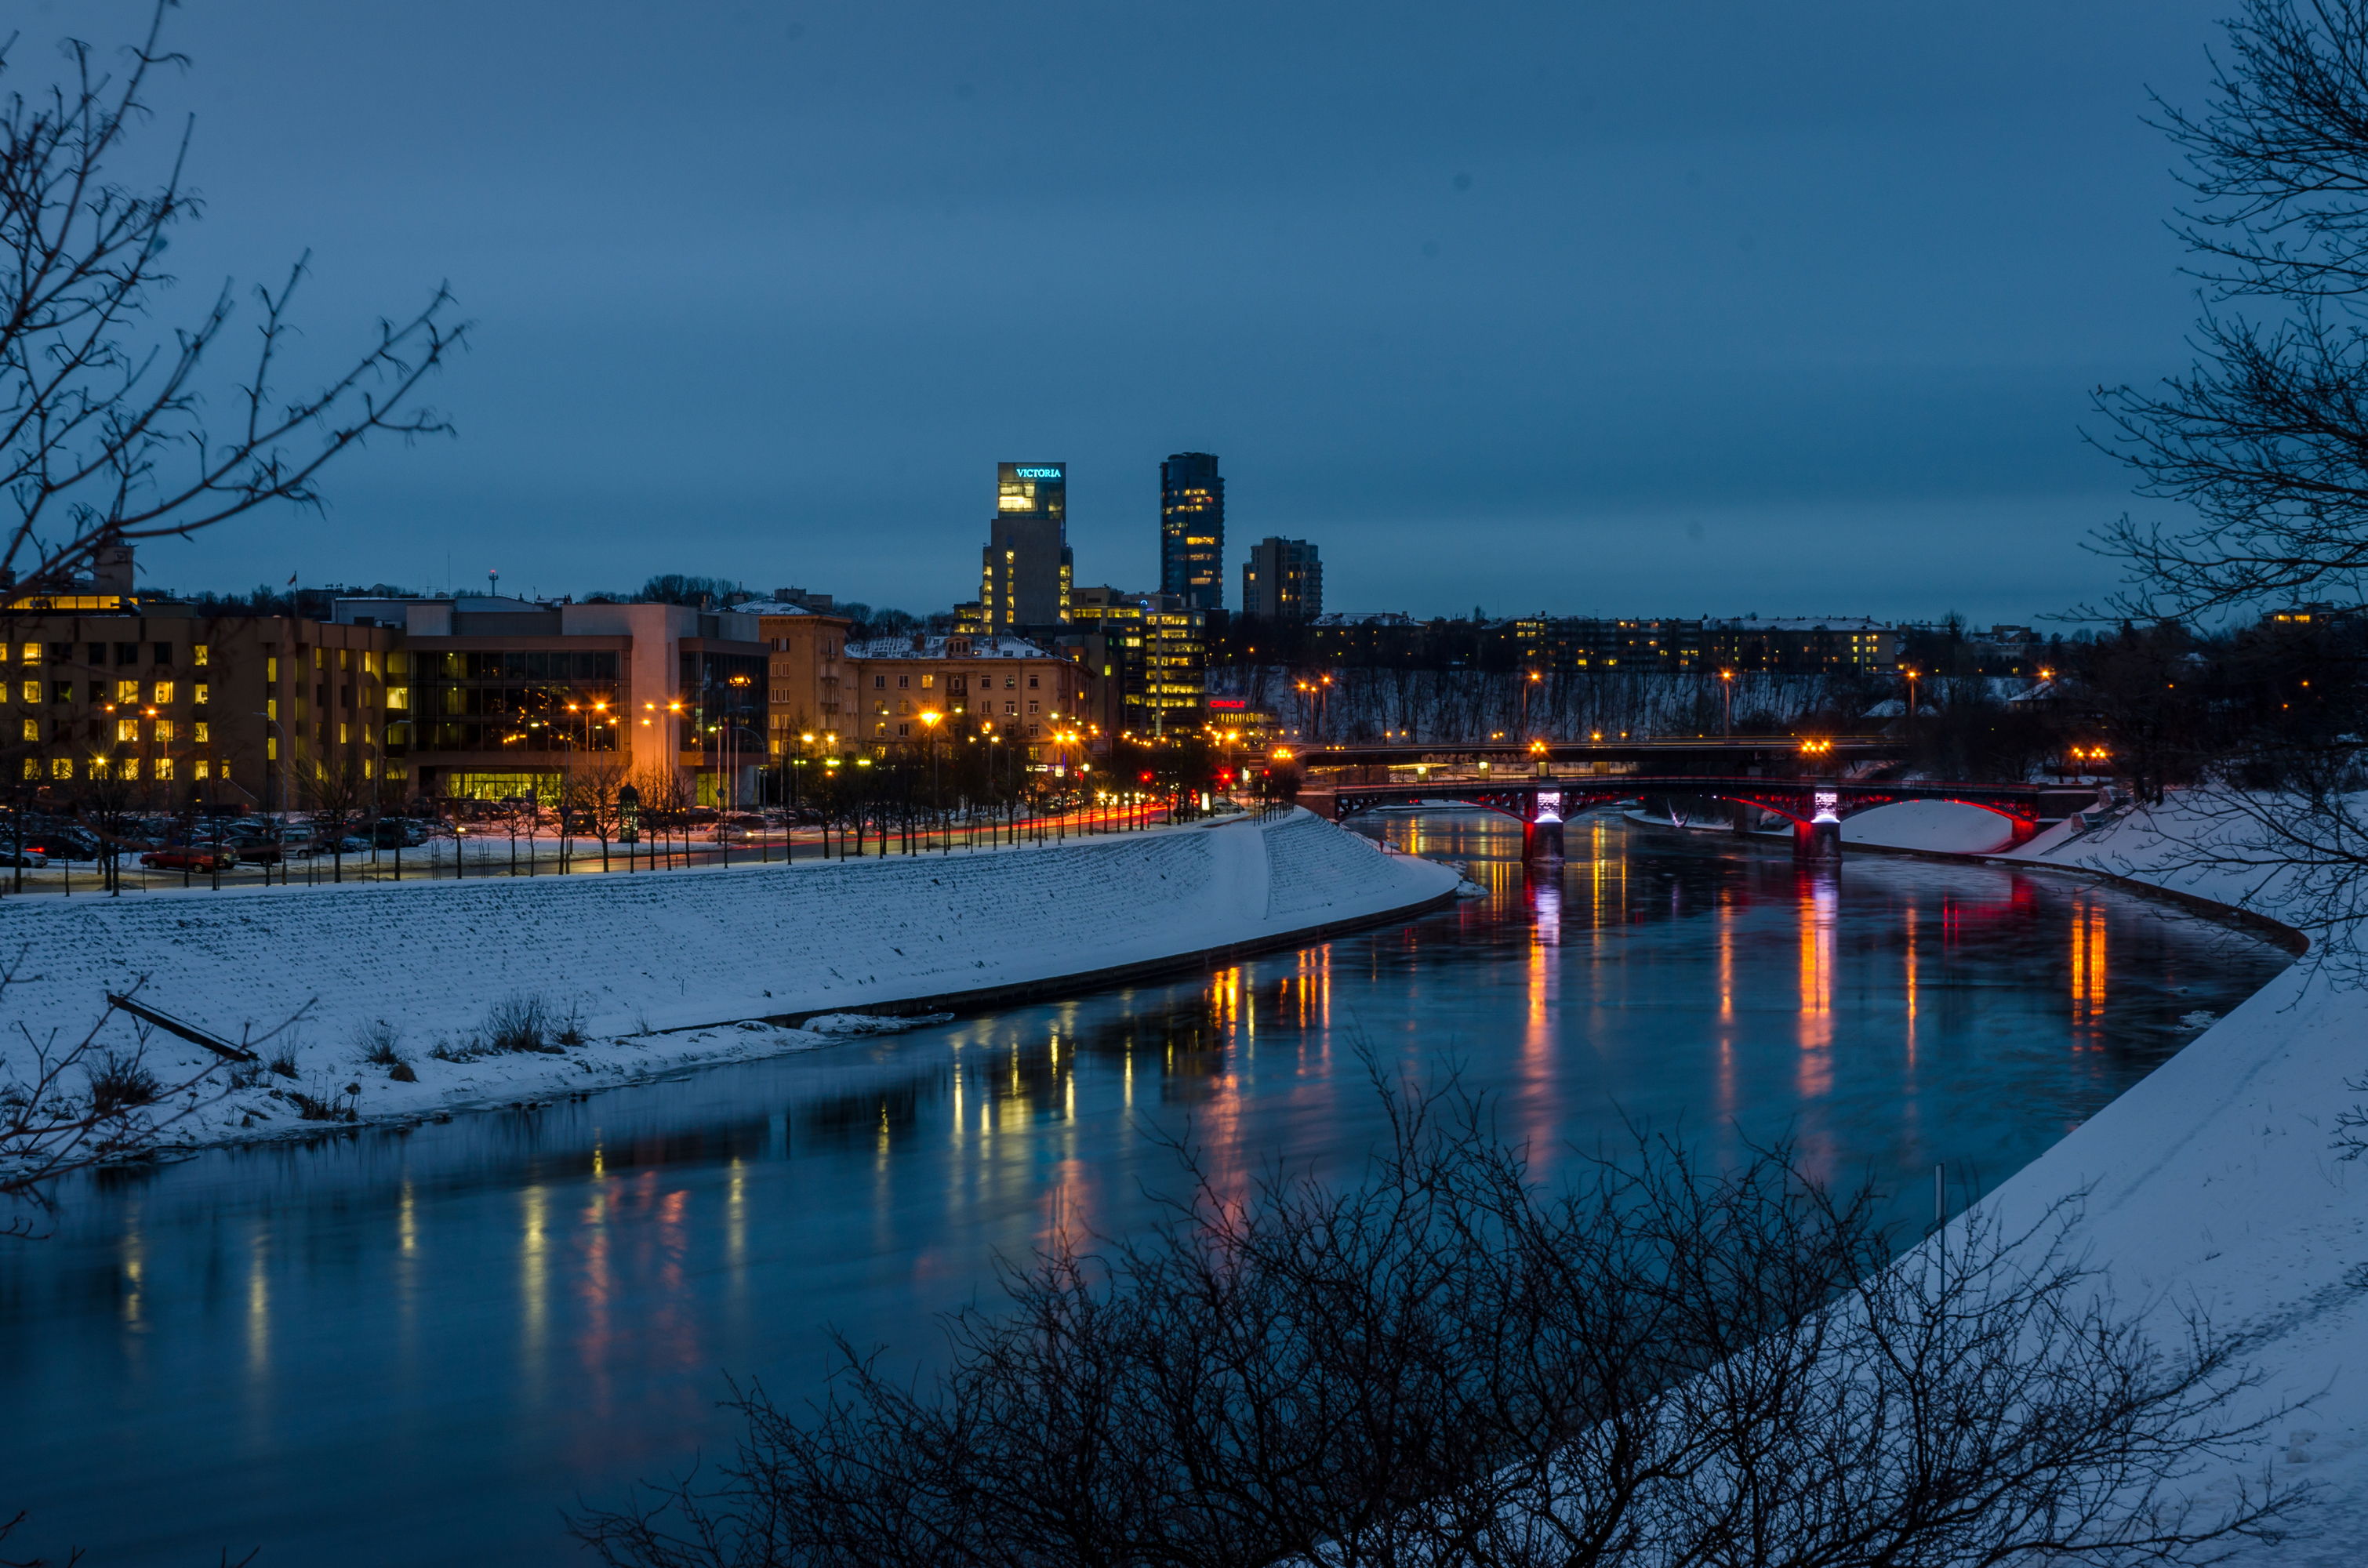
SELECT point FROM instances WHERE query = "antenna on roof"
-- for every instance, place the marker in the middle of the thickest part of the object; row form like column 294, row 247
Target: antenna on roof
column 493, row 582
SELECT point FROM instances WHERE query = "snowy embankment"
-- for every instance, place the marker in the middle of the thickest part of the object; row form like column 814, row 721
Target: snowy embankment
column 645, row 974
column 2213, row 1182
column 1935, row 826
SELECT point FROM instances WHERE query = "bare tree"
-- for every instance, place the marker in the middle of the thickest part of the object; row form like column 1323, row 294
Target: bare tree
column 2266, row 436
column 74, row 1103
column 592, row 790
column 103, row 431
column 338, row 788
column 1661, row 1362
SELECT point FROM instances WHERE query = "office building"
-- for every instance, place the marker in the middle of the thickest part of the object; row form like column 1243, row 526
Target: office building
column 1024, row 570
column 508, row 698
column 180, row 706
column 1148, row 654
column 1192, row 530
column 1282, row 580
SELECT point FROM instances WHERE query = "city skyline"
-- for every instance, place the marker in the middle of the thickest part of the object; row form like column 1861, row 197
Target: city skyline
column 1631, row 321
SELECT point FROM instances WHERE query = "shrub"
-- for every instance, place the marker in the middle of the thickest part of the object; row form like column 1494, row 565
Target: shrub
column 517, row 1023
column 121, row 1083
column 1664, row 1360
column 283, row 1061
column 377, row 1041
column 327, row 1104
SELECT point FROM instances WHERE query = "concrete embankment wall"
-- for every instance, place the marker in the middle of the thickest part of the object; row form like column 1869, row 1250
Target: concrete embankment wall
column 676, row 949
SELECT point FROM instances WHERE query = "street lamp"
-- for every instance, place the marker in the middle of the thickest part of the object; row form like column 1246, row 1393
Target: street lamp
column 1727, row 689
column 929, row 729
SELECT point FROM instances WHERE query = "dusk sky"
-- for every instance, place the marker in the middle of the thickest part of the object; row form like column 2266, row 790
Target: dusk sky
column 1695, row 308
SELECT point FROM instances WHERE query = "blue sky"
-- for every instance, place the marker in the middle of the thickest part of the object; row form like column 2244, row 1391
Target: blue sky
column 1703, row 307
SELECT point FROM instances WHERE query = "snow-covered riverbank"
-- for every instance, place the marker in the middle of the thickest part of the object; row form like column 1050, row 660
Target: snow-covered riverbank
column 2213, row 1182
column 634, row 976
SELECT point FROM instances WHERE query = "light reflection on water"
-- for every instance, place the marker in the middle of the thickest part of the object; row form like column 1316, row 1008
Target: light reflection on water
column 484, row 1319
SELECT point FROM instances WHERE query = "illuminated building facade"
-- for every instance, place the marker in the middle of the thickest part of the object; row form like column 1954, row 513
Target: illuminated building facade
column 1282, row 580
column 1192, row 530
column 1024, row 570
column 907, row 690
column 508, row 698
column 807, row 692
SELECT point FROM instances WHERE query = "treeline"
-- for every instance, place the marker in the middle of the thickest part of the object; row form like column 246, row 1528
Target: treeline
column 2274, row 700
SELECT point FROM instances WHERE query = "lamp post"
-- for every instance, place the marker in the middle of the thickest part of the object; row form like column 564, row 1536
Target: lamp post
column 797, row 779
column 285, row 760
column 929, row 729
column 1726, row 690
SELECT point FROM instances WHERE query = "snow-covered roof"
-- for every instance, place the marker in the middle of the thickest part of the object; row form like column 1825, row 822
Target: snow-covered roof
column 1806, row 623
column 942, row 645
column 1364, row 617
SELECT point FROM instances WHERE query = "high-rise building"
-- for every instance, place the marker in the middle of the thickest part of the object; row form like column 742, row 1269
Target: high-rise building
column 1192, row 530
column 1024, row 570
column 1282, row 580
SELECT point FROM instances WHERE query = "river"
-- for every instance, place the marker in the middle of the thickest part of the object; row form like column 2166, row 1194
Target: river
column 409, row 1347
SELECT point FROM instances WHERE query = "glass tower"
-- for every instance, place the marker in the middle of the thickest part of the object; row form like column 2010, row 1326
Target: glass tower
column 1192, row 530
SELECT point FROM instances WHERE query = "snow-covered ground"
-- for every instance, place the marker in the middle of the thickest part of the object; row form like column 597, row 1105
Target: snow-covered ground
column 651, row 973
column 1939, row 826
column 2213, row 1182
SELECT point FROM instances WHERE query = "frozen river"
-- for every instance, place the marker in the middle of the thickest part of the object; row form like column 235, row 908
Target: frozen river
column 407, row 1349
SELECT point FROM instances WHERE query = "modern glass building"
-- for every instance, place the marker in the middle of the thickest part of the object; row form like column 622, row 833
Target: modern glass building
column 1024, row 570
column 1192, row 530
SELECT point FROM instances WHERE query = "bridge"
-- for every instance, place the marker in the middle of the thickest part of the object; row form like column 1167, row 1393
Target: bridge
column 1696, row 754
column 1815, row 806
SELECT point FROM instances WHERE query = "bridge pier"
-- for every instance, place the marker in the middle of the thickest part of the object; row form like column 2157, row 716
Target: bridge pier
column 1817, row 842
column 1540, row 841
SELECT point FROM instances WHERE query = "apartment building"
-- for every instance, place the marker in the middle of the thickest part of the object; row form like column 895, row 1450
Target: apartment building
column 905, row 689
column 806, row 696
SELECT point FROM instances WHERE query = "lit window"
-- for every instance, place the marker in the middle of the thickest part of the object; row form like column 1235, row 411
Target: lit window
column 61, row 768
column 200, row 693
column 32, row 768
column 32, row 691
column 201, row 769
column 164, row 693
column 33, row 729
column 272, row 748
column 200, row 732
column 396, row 695
column 127, row 728
column 197, row 653
column 128, row 692
column 163, row 768
column 164, row 729
column 32, row 652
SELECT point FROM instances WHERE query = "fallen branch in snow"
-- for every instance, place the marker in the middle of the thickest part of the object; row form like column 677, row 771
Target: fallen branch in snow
column 81, row 1104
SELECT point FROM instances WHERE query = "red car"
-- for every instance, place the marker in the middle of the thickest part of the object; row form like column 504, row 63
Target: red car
column 192, row 858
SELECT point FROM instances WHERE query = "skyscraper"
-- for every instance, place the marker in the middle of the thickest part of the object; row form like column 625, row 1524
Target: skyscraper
column 1192, row 530
column 1024, row 570
column 1282, row 580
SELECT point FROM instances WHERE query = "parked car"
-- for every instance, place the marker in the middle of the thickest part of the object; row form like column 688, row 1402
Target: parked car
column 192, row 858
column 71, row 844
column 29, row 857
column 394, row 833
column 261, row 852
